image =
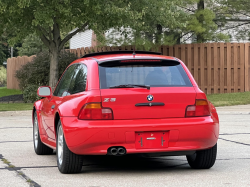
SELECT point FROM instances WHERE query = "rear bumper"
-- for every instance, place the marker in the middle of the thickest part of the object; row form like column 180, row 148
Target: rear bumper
column 87, row 137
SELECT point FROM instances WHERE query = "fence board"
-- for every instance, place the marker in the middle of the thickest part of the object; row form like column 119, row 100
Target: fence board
column 165, row 50
column 246, row 67
column 215, row 68
column 229, row 77
column 183, row 52
column 235, row 64
column 189, row 63
column 171, row 51
column 209, row 66
column 242, row 70
column 196, row 63
column 222, row 68
column 202, row 69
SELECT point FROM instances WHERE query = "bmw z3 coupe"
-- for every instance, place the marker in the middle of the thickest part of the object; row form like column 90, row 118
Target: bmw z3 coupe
column 120, row 102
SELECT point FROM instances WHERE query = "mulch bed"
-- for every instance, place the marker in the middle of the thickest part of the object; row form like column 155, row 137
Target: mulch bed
column 12, row 98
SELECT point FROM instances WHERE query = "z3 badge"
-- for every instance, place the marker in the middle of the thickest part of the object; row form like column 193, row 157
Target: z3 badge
column 109, row 99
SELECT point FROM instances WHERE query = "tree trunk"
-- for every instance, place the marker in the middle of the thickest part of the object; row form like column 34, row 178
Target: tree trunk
column 201, row 6
column 53, row 75
column 158, row 34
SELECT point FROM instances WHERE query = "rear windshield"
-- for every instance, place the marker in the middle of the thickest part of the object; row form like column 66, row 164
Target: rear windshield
column 153, row 74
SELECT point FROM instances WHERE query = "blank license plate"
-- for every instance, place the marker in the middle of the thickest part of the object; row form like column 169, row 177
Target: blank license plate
column 151, row 140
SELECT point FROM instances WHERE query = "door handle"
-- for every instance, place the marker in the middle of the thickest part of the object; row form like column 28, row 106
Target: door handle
column 53, row 106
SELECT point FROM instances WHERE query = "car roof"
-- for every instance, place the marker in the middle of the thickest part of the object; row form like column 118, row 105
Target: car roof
column 120, row 55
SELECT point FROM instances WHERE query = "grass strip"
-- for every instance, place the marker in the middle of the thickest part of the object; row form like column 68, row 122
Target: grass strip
column 229, row 99
column 15, row 106
column 6, row 92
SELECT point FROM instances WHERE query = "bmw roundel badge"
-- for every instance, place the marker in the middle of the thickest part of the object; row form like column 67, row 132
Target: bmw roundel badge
column 150, row 98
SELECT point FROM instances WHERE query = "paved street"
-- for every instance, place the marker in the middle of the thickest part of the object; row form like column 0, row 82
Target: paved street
column 20, row 166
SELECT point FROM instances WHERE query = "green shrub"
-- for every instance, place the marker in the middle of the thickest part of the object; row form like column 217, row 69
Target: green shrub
column 36, row 73
column 3, row 76
column 30, row 94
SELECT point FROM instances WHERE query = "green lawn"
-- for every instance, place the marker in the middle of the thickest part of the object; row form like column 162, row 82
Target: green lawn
column 16, row 106
column 229, row 99
column 5, row 92
column 13, row 106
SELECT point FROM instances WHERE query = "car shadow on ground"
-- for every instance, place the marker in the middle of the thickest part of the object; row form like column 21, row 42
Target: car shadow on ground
column 135, row 163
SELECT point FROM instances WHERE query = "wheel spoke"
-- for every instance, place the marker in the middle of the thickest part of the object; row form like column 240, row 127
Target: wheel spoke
column 35, row 131
column 60, row 145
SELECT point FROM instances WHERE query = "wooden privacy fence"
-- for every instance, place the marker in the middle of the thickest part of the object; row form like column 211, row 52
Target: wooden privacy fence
column 217, row 67
column 14, row 64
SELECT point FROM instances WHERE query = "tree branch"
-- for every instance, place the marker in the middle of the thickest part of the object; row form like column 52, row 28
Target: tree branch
column 43, row 30
column 45, row 40
column 69, row 36
column 43, row 37
column 235, row 26
column 188, row 37
column 190, row 10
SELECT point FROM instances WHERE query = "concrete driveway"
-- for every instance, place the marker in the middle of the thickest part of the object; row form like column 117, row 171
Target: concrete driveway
column 20, row 166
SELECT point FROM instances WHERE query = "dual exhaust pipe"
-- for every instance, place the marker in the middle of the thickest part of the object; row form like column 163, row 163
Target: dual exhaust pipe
column 117, row 151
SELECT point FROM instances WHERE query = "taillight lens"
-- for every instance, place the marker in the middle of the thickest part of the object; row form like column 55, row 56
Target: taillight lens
column 201, row 108
column 95, row 111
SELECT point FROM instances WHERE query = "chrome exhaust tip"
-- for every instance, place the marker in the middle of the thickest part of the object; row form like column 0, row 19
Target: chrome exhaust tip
column 113, row 151
column 121, row 151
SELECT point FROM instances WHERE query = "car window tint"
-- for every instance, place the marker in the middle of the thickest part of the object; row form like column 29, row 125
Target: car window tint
column 78, row 83
column 164, row 74
column 63, row 85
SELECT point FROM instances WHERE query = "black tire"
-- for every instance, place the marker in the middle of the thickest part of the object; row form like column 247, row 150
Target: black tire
column 203, row 159
column 67, row 161
column 39, row 147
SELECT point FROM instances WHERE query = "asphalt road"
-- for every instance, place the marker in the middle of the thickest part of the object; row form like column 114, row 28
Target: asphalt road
column 20, row 166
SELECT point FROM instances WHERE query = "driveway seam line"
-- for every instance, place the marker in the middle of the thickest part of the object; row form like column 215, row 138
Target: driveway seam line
column 11, row 167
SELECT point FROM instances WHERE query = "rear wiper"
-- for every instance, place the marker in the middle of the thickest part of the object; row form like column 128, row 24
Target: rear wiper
column 131, row 86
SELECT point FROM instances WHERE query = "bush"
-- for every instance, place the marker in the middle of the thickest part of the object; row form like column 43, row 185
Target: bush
column 36, row 73
column 30, row 94
column 3, row 76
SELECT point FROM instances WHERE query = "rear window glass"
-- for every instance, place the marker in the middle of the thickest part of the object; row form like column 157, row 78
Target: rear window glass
column 153, row 74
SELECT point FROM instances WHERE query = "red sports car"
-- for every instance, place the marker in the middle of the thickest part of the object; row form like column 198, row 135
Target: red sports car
column 120, row 102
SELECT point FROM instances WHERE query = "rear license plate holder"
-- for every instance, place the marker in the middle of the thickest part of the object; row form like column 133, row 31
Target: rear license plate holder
column 151, row 140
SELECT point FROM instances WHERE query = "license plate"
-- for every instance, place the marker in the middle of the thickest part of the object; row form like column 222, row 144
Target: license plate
column 151, row 140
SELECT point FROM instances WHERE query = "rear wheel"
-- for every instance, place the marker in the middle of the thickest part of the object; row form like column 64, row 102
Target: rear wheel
column 67, row 161
column 39, row 147
column 203, row 159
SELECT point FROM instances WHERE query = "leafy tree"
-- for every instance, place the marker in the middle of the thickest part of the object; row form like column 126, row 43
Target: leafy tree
column 150, row 21
column 47, row 19
column 193, row 19
column 235, row 16
column 5, row 51
column 31, row 45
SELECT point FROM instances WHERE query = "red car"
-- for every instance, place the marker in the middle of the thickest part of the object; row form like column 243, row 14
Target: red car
column 120, row 102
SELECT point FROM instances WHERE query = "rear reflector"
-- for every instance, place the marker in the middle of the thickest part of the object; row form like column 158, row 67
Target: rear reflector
column 124, row 61
column 201, row 108
column 91, row 111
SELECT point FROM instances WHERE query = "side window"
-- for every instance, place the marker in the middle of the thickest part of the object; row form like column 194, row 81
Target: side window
column 63, row 85
column 78, row 83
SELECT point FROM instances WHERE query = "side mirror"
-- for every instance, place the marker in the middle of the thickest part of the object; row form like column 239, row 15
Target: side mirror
column 44, row 91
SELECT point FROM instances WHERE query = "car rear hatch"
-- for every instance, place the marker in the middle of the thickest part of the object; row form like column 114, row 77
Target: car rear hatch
column 146, row 88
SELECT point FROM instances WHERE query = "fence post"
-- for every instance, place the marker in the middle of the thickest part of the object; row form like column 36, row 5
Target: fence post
column 235, row 65
column 229, row 68
column 209, row 68
column 246, row 67
column 221, row 67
